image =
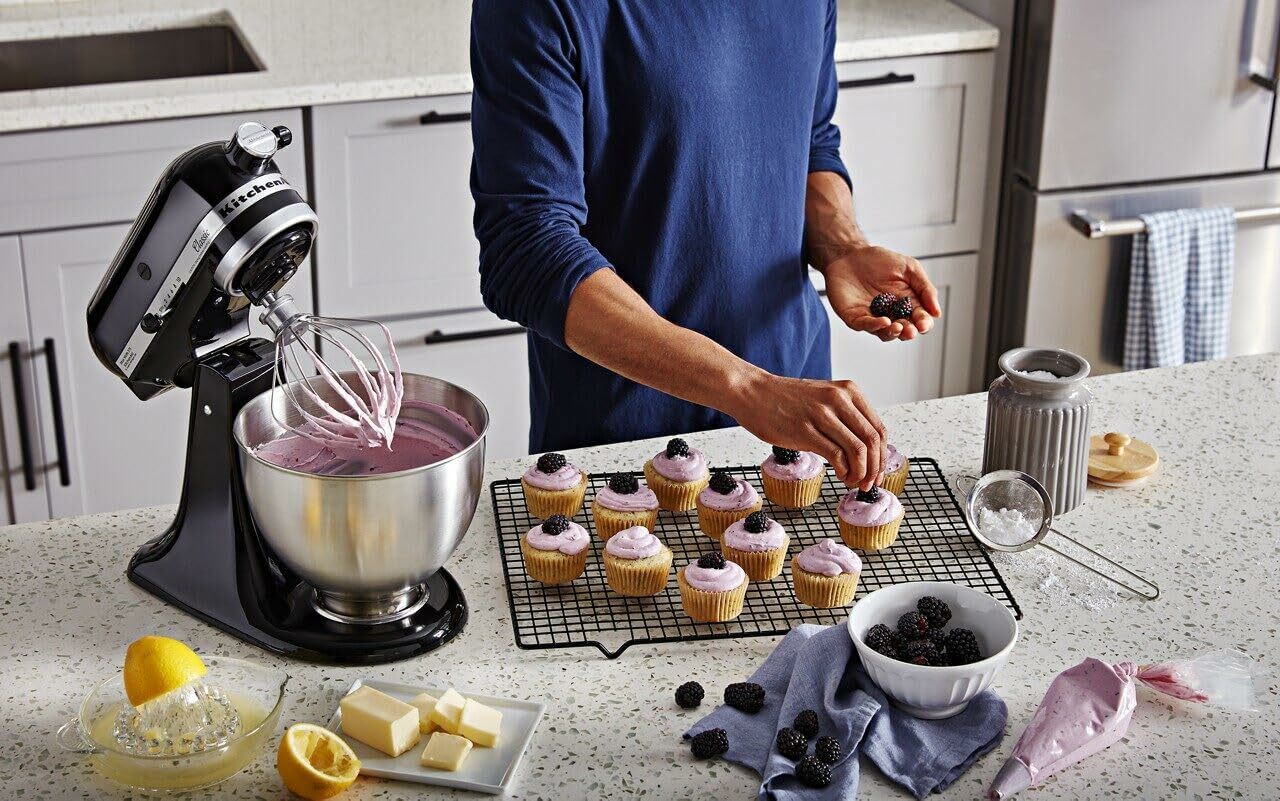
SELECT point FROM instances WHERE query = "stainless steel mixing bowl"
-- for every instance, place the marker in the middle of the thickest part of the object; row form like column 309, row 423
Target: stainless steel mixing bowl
column 365, row 543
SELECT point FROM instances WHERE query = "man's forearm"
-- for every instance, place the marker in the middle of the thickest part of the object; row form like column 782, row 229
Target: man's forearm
column 610, row 324
column 830, row 226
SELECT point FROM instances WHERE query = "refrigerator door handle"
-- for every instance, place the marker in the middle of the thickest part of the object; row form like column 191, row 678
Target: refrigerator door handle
column 1269, row 78
column 1095, row 227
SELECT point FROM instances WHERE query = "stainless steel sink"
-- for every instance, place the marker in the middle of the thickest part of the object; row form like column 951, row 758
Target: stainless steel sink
column 119, row 57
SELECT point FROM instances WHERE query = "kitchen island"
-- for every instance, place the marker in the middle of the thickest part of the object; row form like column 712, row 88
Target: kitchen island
column 1204, row 528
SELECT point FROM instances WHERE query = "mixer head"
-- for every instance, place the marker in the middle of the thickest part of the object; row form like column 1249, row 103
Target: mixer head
column 222, row 229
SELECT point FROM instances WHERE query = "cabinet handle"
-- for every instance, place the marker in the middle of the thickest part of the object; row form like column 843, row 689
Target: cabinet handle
column 1269, row 80
column 883, row 80
column 24, row 420
column 435, row 117
column 438, row 337
column 55, row 402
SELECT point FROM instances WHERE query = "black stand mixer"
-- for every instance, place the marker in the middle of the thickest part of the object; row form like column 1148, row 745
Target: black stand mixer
column 222, row 232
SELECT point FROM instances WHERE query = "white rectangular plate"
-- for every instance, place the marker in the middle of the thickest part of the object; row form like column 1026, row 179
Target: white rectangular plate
column 487, row 770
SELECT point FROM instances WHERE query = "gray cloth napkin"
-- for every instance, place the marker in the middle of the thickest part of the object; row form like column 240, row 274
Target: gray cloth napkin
column 817, row 667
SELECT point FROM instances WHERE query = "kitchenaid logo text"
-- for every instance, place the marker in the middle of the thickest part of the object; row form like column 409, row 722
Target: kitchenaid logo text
column 230, row 205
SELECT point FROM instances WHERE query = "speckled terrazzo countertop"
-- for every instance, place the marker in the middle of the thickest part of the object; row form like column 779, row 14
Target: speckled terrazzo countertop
column 1204, row 527
column 330, row 51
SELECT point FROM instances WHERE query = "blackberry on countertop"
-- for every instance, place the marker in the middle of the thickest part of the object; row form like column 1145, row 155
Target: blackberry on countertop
column 901, row 309
column 828, row 750
column 556, row 524
column 712, row 561
column 722, row 482
column 677, row 448
column 745, row 697
column 689, row 695
column 913, row 626
column 883, row 640
column 709, row 743
column 962, row 647
column 869, row 496
column 624, row 484
column 785, row 455
column 882, row 303
column 792, row 744
column 756, row 523
column 551, row 462
column 922, row 652
column 813, row 772
column 806, row 723
column 934, row 610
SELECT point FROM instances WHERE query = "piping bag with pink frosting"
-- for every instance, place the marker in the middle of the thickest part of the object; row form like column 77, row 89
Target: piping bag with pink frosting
column 1088, row 707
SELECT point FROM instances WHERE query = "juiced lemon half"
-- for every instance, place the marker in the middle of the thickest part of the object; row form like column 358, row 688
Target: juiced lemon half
column 154, row 666
column 314, row 762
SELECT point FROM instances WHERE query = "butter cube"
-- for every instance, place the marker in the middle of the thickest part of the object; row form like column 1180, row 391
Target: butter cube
column 425, row 702
column 447, row 710
column 380, row 721
column 479, row 723
column 445, row 751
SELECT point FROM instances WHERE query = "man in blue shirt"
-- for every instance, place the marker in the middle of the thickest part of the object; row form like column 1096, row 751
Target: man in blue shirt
column 651, row 179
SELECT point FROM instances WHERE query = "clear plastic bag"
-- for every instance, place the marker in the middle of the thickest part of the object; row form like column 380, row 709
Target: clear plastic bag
column 1224, row 678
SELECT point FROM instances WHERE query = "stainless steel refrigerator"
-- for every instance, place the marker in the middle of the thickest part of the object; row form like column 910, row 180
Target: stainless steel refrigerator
column 1123, row 108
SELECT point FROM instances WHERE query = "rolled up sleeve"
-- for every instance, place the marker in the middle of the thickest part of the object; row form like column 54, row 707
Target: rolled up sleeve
column 824, row 139
column 526, row 171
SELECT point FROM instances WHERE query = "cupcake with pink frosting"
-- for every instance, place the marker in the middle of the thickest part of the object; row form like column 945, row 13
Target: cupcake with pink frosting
column 893, row 474
column 624, row 502
column 712, row 589
column 758, row 544
column 553, row 486
column 636, row 563
column 555, row 551
column 725, row 500
column 825, row 574
column 792, row 479
column 676, row 475
column 869, row 520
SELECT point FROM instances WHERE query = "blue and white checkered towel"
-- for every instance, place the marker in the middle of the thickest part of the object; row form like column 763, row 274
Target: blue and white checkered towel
column 1180, row 288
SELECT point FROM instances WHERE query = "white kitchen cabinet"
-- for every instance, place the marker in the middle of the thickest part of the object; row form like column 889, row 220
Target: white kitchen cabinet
column 24, row 496
column 392, row 190
column 931, row 366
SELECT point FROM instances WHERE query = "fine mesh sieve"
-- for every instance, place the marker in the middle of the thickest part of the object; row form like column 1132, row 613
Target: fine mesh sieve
column 1010, row 511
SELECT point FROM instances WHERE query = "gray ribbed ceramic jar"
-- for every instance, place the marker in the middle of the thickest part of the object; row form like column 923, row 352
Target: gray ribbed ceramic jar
column 1040, row 425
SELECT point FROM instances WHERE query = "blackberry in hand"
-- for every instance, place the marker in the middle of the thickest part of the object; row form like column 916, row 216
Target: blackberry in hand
column 923, row 652
column 756, row 523
column 785, row 455
column 551, row 462
column 934, row 610
column 677, row 447
column 869, row 496
column 722, row 482
column 806, row 723
column 712, row 561
column 913, row 626
column 813, row 772
column 556, row 524
column 624, row 484
column 882, row 303
column 901, row 309
column 828, row 750
column 745, row 697
column 883, row 640
column 962, row 647
column 689, row 695
column 709, row 743
column 792, row 744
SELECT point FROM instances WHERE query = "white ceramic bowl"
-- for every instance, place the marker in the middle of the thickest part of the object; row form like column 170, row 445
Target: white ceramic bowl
column 922, row 690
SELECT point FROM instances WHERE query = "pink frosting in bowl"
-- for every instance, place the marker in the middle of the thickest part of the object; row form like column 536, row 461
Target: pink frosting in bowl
column 828, row 558
column 710, row 579
column 636, row 542
column 681, row 468
column 807, row 465
column 570, row 542
column 743, row 496
column 737, row 537
column 565, row 478
column 884, row 509
column 641, row 500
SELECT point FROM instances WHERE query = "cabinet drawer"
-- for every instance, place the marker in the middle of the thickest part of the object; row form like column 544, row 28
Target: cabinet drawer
column 102, row 174
column 914, row 135
column 392, row 180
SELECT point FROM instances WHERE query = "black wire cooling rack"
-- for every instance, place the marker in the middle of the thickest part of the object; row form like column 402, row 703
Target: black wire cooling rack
column 933, row 545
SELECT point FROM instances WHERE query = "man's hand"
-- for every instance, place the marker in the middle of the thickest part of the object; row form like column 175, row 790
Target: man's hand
column 831, row 418
column 865, row 271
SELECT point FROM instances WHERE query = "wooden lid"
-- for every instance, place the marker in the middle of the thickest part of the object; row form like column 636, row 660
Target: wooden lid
column 1117, row 459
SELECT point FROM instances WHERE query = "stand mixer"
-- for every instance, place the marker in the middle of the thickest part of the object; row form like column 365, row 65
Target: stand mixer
column 328, row 568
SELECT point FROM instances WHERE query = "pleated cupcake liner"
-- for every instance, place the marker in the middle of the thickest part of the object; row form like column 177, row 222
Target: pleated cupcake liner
column 611, row 521
column 674, row 496
column 552, row 567
column 792, row 494
column 870, row 538
column 711, row 607
column 543, row 503
column 638, row 577
column 824, row 592
column 713, row 522
column 896, row 481
column 758, row 565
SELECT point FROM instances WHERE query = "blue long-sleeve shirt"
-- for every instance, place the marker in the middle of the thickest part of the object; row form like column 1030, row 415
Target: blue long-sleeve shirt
column 670, row 141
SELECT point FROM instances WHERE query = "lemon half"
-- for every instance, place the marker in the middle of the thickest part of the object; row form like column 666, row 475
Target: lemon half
column 154, row 666
column 314, row 762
